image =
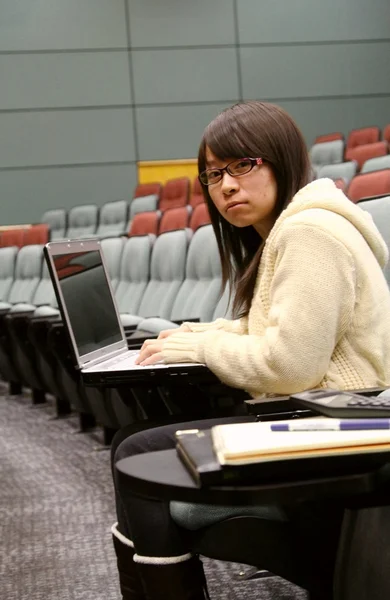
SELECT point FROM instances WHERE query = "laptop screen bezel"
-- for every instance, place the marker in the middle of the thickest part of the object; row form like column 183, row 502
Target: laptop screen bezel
column 53, row 249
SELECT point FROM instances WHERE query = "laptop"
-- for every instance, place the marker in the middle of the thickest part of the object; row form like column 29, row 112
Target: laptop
column 90, row 315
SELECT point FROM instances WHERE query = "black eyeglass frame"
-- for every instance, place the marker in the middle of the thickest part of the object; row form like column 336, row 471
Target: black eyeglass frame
column 253, row 163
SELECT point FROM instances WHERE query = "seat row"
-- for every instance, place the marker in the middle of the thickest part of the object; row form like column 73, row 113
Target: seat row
column 357, row 137
column 358, row 186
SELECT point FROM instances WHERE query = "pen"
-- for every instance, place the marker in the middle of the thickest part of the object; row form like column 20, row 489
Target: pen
column 333, row 425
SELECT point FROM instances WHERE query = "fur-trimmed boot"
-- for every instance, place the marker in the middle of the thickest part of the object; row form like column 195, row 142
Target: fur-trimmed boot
column 176, row 578
column 129, row 577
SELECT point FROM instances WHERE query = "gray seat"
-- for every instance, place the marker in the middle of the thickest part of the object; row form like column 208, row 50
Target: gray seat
column 379, row 209
column 376, row 164
column 56, row 219
column 345, row 170
column 143, row 204
column 28, row 270
column 167, row 271
column 201, row 289
column 43, row 296
column 112, row 248
column 7, row 270
column 82, row 221
column 326, row 153
column 113, row 218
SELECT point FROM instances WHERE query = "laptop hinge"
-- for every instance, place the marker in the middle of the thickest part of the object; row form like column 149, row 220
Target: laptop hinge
column 102, row 359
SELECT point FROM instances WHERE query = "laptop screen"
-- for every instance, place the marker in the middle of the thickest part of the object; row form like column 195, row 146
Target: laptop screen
column 88, row 300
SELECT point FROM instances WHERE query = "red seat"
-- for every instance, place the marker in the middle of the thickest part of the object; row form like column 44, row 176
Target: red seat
column 175, row 193
column 363, row 136
column 144, row 223
column 386, row 134
column 146, row 189
column 12, row 237
column 37, row 234
column 175, row 218
column 376, row 183
column 329, row 137
column 366, row 151
column 197, row 196
column 200, row 216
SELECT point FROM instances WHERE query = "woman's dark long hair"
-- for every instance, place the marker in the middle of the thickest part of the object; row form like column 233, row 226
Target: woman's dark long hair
column 259, row 130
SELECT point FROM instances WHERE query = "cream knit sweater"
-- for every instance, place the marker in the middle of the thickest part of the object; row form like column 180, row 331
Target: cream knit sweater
column 320, row 314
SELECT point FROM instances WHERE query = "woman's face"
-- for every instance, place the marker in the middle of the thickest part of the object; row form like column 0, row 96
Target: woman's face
column 248, row 199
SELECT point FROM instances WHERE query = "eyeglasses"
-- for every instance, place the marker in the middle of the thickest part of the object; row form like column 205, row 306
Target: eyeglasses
column 235, row 168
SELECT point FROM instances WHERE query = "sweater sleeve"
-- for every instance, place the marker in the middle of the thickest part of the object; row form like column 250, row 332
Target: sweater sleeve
column 238, row 326
column 312, row 295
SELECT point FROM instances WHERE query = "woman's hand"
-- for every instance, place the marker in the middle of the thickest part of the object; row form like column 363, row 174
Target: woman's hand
column 151, row 350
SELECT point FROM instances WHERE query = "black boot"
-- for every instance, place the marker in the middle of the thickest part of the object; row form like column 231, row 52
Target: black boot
column 178, row 581
column 129, row 577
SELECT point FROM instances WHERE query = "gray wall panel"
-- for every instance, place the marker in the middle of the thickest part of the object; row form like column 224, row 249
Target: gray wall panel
column 326, row 115
column 261, row 21
column 59, row 24
column 66, row 137
column 181, row 22
column 301, row 71
column 64, row 79
column 173, row 131
column 25, row 195
column 185, row 75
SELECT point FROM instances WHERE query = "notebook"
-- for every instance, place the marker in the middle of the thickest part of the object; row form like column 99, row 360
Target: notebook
column 90, row 314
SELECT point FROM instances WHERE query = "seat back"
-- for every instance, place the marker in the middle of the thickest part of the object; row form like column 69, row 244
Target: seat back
column 175, row 193
column 329, row 137
column 362, row 136
column 37, row 234
column 12, row 237
column 56, row 219
column 134, row 272
column 7, row 270
column 167, row 272
column 197, row 196
column 366, row 151
column 200, row 216
column 224, row 305
column 201, row 289
column 327, row 153
column 376, row 164
column 379, row 209
column 113, row 218
column 144, row 223
column 112, row 248
column 386, row 133
column 44, row 293
column 145, row 189
column 345, row 170
column 365, row 185
column 175, row 218
column 143, row 204
column 82, row 221
column 28, row 272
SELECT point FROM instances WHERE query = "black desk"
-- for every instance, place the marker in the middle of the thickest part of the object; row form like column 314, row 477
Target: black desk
column 162, row 475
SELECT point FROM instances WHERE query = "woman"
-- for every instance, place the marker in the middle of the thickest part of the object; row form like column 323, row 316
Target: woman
column 305, row 265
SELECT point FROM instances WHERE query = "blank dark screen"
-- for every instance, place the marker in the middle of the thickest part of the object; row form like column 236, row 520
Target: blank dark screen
column 88, row 300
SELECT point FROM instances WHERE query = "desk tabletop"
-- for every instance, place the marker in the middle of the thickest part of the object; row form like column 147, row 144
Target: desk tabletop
column 162, row 475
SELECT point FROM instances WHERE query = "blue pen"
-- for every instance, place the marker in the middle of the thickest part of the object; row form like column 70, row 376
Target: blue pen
column 332, row 425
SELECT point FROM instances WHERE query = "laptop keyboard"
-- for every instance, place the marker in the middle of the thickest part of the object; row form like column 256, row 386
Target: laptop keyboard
column 130, row 356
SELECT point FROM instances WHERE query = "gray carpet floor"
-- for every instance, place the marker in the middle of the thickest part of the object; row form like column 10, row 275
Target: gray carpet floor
column 56, row 509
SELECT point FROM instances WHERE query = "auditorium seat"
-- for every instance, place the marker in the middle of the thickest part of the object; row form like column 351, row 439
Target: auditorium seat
column 376, row 164
column 379, row 209
column 326, row 153
column 37, row 234
column 113, row 218
column 346, row 170
column 12, row 237
column 386, row 133
column 365, row 185
column 175, row 193
column 175, row 218
column 7, row 270
column 82, row 221
column 329, row 137
column 56, row 219
column 145, row 189
column 144, row 223
column 362, row 136
column 143, row 204
column 364, row 152
column 341, row 184
column 200, row 216
column 196, row 196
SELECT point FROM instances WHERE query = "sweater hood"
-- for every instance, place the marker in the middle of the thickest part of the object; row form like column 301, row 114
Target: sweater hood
column 323, row 194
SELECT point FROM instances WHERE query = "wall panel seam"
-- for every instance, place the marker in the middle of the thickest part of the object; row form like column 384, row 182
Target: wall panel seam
column 131, row 80
column 68, row 165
